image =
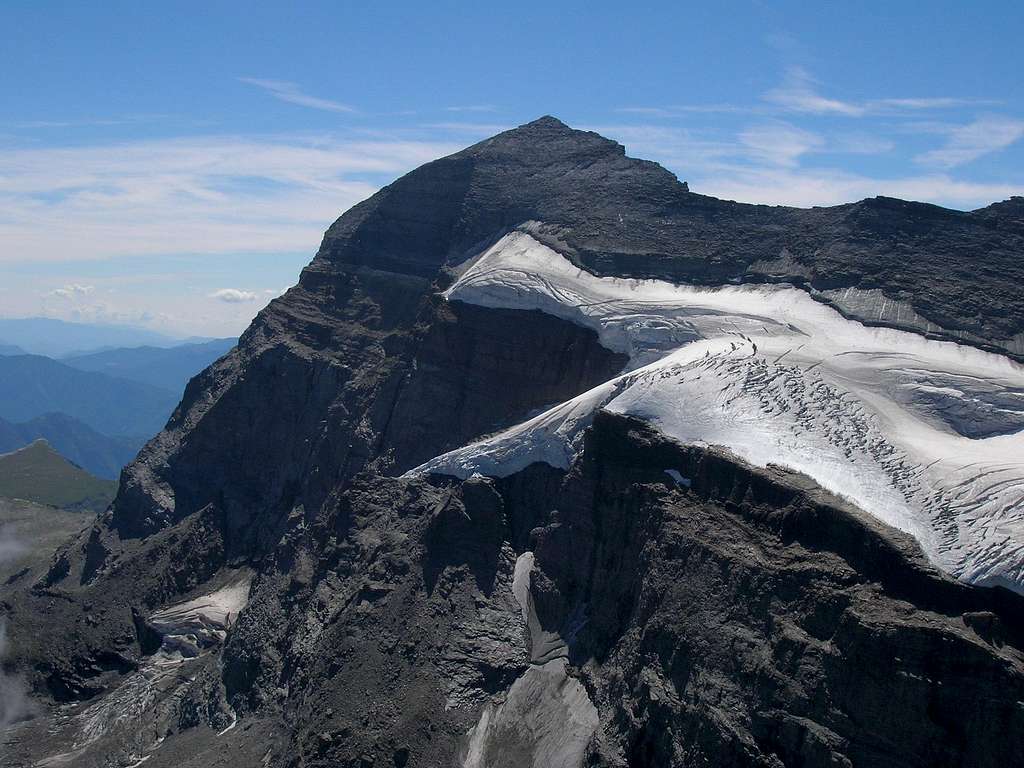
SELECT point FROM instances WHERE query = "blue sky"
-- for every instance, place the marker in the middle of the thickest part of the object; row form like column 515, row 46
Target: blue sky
column 175, row 165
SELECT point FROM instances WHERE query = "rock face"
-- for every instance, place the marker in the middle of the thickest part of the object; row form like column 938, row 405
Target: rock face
column 652, row 604
column 749, row 619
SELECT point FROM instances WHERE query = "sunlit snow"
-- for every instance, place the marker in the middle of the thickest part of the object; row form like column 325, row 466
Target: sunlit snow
column 925, row 435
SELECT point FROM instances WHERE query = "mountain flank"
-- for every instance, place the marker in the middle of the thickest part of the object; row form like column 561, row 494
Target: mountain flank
column 282, row 583
column 39, row 474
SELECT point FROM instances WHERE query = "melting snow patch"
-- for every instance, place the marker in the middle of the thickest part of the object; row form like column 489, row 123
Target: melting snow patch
column 189, row 627
column 234, row 722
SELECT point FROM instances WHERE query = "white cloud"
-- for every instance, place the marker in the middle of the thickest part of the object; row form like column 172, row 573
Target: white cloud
column 679, row 110
column 939, row 102
column 828, row 186
column 675, row 147
column 473, row 108
column 469, row 130
column 761, row 166
column 233, row 295
column 772, row 143
column 72, row 290
column 779, row 143
column 965, row 143
column 290, row 92
column 859, row 144
column 799, row 94
column 217, row 194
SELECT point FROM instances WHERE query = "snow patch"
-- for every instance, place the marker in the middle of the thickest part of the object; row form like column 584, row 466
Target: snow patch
column 189, row 627
column 543, row 645
column 521, row 584
column 928, row 436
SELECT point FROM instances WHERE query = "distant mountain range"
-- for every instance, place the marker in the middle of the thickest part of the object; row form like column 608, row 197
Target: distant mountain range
column 38, row 473
column 95, row 408
column 32, row 385
column 100, row 454
column 55, row 338
column 166, row 368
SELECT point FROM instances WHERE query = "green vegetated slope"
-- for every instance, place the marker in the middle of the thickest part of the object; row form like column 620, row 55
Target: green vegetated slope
column 29, row 535
column 96, row 453
column 38, row 473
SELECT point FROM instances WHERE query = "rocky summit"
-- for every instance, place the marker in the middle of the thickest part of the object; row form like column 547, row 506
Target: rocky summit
column 549, row 461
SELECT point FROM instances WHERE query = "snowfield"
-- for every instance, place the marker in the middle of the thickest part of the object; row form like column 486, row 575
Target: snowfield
column 928, row 436
column 189, row 627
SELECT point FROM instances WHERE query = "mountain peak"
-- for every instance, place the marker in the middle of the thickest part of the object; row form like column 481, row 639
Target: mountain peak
column 546, row 139
column 429, row 470
column 615, row 215
column 547, row 121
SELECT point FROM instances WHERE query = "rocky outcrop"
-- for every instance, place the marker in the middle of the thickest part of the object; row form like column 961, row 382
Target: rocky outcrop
column 277, row 425
column 747, row 618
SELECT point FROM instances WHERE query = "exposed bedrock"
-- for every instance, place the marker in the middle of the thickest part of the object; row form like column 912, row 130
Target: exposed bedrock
column 280, row 422
column 747, row 617
column 700, row 609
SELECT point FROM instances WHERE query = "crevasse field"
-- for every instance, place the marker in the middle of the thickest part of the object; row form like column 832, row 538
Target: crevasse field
column 925, row 435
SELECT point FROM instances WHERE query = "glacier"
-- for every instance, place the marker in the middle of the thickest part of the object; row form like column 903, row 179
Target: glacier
column 925, row 435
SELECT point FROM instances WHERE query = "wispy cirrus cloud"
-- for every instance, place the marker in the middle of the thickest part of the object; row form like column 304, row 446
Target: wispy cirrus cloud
column 772, row 164
column 966, row 143
column 293, row 94
column 779, row 143
column 473, row 108
column 680, row 110
column 205, row 194
column 774, row 143
column 791, row 151
column 939, row 102
column 469, row 129
column 860, row 143
column 799, row 93
column 828, row 186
